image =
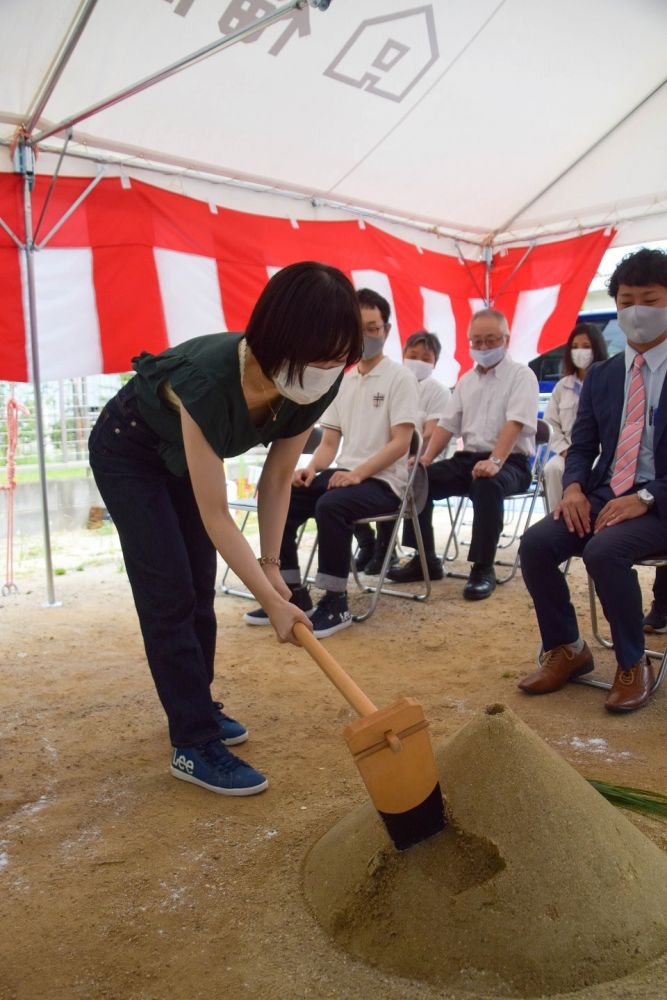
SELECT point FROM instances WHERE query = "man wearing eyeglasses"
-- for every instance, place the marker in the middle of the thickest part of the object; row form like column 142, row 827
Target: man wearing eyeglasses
column 371, row 420
column 494, row 410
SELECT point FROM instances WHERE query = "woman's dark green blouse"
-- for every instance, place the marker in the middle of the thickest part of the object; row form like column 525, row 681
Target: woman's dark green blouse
column 204, row 373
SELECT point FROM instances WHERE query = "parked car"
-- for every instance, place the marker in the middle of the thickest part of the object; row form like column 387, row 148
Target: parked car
column 548, row 367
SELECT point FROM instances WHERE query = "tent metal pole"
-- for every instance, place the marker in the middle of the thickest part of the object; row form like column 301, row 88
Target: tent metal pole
column 68, row 46
column 149, row 81
column 488, row 266
column 29, row 249
column 471, row 275
column 73, row 207
column 12, row 236
column 517, row 267
column 52, row 185
column 582, row 156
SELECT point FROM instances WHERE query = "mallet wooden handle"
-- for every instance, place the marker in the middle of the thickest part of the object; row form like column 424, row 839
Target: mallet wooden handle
column 349, row 690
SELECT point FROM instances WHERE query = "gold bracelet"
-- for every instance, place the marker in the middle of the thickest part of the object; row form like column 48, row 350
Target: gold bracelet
column 269, row 561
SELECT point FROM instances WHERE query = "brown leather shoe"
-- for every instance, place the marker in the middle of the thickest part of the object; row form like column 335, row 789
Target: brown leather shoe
column 559, row 665
column 631, row 688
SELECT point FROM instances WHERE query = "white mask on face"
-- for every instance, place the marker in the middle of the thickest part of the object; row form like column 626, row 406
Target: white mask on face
column 316, row 381
column 642, row 324
column 420, row 369
column 489, row 358
column 582, row 357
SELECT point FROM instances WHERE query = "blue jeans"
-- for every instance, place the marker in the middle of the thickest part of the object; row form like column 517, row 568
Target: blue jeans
column 170, row 562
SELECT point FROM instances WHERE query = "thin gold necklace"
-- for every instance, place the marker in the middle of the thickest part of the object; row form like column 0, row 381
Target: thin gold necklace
column 243, row 349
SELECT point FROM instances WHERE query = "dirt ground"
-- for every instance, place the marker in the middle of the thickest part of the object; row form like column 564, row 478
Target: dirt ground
column 119, row 882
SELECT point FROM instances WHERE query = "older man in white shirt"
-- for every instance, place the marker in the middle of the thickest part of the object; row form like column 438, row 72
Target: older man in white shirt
column 494, row 409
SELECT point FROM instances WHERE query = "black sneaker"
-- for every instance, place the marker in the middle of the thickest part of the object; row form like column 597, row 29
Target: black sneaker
column 300, row 597
column 331, row 615
column 411, row 572
column 655, row 620
column 375, row 565
column 363, row 557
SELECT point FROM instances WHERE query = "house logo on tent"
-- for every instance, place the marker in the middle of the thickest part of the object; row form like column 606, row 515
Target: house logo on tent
column 388, row 55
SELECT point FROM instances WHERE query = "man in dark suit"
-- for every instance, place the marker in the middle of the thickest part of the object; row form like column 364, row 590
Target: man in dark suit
column 613, row 512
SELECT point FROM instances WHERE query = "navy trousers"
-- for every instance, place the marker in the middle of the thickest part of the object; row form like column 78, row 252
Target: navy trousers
column 609, row 559
column 170, row 562
column 334, row 512
column 453, row 477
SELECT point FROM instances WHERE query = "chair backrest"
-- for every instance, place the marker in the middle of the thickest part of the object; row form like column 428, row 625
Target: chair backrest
column 418, row 477
column 542, row 449
column 313, row 440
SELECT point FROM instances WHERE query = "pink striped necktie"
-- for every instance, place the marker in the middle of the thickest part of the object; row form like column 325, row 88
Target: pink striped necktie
column 627, row 452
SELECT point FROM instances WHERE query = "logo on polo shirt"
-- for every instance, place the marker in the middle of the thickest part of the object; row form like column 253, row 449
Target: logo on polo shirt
column 378, row 399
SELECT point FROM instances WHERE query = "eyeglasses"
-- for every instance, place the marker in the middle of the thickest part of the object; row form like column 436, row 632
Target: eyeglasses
column 478, row 345
column 374, row 331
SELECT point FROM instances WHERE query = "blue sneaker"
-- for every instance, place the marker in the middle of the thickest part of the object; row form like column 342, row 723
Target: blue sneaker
column 231, row 732
column 212, row 766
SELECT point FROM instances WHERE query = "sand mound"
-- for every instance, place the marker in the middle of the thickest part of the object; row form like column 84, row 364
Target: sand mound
column 538, row 887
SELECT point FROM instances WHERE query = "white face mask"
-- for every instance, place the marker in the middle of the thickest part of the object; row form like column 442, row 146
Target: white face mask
column 582, row 357
column 316, row 381
column 420, row 369
column 642, row 324
column 487, row 359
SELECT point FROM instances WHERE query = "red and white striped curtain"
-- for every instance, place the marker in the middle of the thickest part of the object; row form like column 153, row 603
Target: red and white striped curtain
column 139, row 268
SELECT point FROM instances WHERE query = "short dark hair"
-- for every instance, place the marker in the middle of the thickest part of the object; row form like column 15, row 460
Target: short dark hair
column 307, row 312
column 598, row 345
column 644, row 267
column 367, row 297
column 429, row 340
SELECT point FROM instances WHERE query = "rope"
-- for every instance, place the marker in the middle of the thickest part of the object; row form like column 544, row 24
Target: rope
column 13, row 411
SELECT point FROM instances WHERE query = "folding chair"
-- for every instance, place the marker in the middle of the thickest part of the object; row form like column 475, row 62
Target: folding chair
column 249, row 506
column 661, row 655
column 411, row 504
column 520, row 520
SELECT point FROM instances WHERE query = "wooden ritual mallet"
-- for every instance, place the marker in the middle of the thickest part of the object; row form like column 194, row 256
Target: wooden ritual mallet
column 392, row 750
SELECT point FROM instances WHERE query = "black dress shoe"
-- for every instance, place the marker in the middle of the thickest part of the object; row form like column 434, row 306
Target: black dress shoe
column 363, row 557
column 374, row 565
column 412, row 571
column 481, row 583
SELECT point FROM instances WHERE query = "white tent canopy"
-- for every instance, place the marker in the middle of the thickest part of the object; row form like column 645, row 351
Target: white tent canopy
column 492, row 120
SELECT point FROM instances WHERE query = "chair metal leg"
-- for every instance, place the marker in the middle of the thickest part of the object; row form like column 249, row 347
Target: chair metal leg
column 593, row 681
column 380, row 590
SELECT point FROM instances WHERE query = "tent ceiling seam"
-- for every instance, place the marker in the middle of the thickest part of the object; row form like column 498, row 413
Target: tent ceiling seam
column 598, row 142
column 62, row 57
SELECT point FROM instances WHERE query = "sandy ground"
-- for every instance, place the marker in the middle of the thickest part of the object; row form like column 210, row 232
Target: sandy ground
column 119, row 882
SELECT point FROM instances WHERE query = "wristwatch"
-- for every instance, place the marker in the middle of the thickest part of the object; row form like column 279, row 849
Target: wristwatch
column 646, row 498
column 499, row 463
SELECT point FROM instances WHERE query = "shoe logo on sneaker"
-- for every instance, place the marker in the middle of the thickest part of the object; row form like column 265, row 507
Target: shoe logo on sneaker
column 182, row 763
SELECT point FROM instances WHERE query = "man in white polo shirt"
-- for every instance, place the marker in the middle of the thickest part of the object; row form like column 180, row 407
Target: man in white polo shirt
column 494, row 409
column 373, row 415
